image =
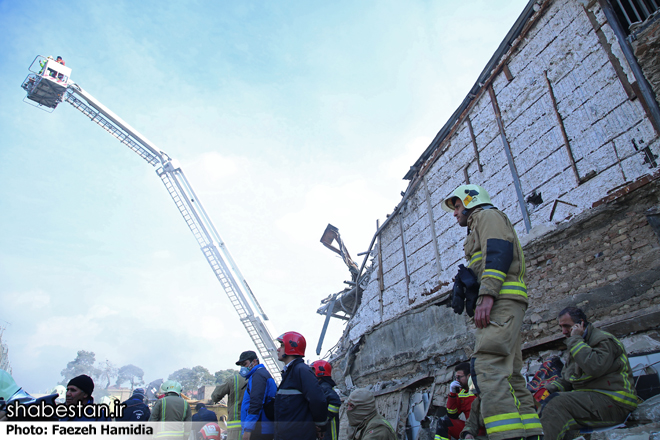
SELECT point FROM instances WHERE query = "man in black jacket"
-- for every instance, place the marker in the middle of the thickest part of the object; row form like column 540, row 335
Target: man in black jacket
column 136, row 410
column 300, row 405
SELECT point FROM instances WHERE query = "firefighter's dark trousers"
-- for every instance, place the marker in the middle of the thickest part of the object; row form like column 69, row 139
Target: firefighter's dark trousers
column 566, row 413
column 506, row 405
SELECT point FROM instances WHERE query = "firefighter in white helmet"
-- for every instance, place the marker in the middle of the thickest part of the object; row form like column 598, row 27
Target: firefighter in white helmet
column 173, row 413
column 494, row 291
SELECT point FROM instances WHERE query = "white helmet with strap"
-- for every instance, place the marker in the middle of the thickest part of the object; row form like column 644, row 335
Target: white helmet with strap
column 470, row 195
column 171, row 386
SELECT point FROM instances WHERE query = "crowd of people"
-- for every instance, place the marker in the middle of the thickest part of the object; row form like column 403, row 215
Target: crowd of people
column 594, row 389
column 303, row 406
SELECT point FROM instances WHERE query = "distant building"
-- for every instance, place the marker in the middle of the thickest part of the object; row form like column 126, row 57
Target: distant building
column 204, row 393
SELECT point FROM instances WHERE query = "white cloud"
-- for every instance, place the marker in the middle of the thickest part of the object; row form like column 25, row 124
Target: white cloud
column 36, row 298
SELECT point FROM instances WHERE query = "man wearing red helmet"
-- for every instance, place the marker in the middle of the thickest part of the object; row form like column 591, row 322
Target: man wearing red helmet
column 210, row 431
column 323, row 371
column 300, row 405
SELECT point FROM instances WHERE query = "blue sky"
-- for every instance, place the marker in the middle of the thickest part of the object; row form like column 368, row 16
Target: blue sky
column 285, row 116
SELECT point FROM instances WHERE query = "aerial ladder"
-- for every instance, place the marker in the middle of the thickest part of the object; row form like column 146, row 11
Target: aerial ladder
column 49, row 83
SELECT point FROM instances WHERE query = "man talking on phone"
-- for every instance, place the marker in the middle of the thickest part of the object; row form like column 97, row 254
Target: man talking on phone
column 596, row 388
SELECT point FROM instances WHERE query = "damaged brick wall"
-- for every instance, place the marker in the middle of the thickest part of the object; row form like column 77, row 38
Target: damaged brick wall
column 580, row 142
column 607, row 134
column 647, row 50
column 608, row 263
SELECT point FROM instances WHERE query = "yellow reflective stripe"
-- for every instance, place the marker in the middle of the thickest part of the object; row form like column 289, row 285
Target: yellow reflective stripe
column 569, row 425
column 521, row 277
column 237, row 411
column 619, row 396
column 439, row 437
column 624, row 372
column 389, row 425
column 513, row 393
column 476, row 257
column 333, row 408
column 333, row 430
column 494, row 273
column 162, row 409
column 558, row 385
column 464, row 393
column 580, row 379
column 531, row 421
column 233, row 424
column 452, row 411
column 514, row 288
column 503, row 422
column 577, row 347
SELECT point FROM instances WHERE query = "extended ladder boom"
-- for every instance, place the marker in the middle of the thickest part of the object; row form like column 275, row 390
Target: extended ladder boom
column 177, row 185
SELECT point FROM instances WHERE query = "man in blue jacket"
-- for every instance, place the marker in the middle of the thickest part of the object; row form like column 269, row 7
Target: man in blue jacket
column 136, row 410
column 301, row 408
column 258, row 398
column 203, row 414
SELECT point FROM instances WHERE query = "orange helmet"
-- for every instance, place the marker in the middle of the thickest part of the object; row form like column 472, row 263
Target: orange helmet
column 294, row 343
column 322, row 368
column 211, row 431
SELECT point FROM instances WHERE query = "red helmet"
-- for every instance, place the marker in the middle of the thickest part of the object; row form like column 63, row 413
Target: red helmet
column 211, row 431
column 322, row 368
column 294, row 343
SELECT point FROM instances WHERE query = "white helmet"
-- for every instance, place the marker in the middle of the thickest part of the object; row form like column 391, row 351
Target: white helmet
column 470, row 195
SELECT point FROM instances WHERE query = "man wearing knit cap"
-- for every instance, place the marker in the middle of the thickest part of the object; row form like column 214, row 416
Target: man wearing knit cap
column 364, row 421
column 80, row 389
column 79, row 392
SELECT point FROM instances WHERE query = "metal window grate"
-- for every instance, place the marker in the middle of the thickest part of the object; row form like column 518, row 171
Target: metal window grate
column 634, row 11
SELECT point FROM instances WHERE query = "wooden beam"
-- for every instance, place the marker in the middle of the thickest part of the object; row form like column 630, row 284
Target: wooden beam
column 560, row 123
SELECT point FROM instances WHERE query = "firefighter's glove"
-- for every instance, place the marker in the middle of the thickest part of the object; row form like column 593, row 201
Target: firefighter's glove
column 455, row 387
column 466, row 291
column 458, row 297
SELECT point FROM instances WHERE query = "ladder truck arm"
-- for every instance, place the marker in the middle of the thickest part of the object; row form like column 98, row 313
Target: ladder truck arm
column 47, row 91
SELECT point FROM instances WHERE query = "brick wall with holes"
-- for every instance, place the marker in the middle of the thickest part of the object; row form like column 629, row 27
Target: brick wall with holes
column 563, row 101
column 609, row 264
